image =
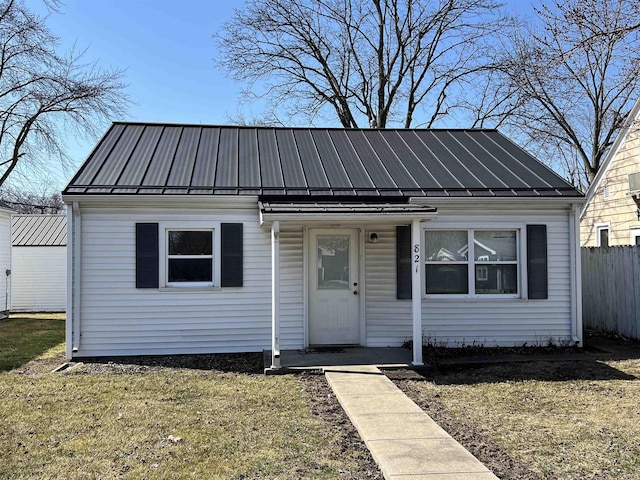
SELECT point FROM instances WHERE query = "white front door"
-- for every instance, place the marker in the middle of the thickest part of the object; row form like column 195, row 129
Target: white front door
column 334, row 317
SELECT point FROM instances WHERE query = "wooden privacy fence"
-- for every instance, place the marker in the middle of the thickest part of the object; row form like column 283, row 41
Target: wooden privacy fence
column 611, row 289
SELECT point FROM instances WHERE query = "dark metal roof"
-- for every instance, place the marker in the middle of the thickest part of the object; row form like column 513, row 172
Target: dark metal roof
column 38, row 230
column 134, row 158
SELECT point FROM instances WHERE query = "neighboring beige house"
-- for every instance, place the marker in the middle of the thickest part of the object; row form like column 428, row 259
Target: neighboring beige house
column 611, row 215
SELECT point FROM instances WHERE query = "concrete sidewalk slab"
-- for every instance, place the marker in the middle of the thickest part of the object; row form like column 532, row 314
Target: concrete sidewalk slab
column 394, row 426
column 423, row 456
column 404, row 441
column 446, row 476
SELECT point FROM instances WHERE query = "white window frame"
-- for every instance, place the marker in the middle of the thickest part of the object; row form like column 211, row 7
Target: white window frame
column 599, row 227
column 634, row 233
column 164, row 229
column 471, row 262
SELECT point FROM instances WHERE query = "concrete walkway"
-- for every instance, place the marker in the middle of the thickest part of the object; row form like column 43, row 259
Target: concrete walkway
column 404, row 441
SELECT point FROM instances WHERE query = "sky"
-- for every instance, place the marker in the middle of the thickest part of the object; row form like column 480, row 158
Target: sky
column 166, row 49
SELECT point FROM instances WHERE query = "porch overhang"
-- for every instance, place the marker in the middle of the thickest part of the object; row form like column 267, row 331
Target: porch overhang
column 305, row 212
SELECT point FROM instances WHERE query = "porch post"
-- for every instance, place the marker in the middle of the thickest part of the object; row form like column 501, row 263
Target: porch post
column 275, row 294
column 416, row 292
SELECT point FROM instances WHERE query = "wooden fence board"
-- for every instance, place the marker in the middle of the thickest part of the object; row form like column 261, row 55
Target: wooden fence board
column 611, row 289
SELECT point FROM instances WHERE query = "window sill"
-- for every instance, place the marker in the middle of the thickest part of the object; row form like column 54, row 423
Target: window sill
column 475, row 299
column 194, row 289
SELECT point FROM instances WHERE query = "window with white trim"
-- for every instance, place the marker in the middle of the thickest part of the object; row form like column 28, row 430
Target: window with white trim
column 189, row 257
column 602, row 235
column 472, row 262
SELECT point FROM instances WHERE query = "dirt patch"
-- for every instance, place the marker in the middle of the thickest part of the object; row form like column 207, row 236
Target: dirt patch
column 474, row 440
column 40, row 365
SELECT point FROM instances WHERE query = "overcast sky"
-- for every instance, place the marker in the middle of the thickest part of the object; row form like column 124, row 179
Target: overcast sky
column 167, row 50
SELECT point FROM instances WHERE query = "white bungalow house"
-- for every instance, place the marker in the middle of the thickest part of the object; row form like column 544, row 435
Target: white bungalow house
column 39, row 263
column 200, row 239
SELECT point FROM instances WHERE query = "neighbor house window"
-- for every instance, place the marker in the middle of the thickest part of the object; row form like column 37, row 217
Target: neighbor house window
column 189, row 257
column 602, row 235
column 489, row 267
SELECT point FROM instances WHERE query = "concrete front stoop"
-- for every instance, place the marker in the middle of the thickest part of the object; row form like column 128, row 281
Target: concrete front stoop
column 404, row 441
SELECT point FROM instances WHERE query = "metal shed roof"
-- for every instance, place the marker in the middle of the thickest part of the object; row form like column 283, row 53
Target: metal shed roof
column 38, row 230
column 136, row 158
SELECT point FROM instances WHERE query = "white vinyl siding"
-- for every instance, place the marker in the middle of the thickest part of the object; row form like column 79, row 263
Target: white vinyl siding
column 39, row 279
column 455, row 322
column 291, row 288
column 118, row 319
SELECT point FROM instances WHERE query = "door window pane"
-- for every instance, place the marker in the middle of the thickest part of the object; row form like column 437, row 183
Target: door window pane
column 443, row 278
column 333, row 262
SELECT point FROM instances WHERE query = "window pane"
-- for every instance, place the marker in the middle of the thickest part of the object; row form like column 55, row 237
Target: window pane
column 333, row 262
column 446, row 245
column 447, row 278
column 190, row 270
column 604, row 237
column 497, row 245
column 492, row 278
column 190, row 243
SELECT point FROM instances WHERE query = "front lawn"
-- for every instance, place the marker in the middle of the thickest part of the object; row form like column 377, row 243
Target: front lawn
column 572, row 419
column 143, row 420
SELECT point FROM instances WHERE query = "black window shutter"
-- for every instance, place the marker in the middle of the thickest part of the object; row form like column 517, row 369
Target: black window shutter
column 231, row 253
column 147, row 261
column 537, row 262
column 403, row 261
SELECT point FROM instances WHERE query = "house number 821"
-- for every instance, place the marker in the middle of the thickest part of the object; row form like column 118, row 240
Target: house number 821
column 416, row 256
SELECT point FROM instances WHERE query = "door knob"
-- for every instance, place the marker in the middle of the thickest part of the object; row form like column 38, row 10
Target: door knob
column 355, row 292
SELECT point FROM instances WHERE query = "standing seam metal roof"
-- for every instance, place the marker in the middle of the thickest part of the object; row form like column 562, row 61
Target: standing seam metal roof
column 136, row 158
column 38, row 230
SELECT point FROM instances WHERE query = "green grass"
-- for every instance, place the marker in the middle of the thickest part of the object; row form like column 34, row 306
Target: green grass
column 106, row 426
column 160, row 423
column 569, row 419
column 24, row 337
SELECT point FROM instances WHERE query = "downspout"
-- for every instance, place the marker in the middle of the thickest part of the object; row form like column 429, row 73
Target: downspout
column 69, row 310
column 275, row 295
column 77, row 237
column 575, row 272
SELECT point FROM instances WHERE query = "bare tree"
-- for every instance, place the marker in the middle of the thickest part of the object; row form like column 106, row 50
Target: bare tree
column 45, row 94
column 41, row 201
column 371, row 62
column 576, row 74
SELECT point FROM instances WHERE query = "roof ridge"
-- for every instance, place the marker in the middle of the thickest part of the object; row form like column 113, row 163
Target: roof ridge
column 273, row 127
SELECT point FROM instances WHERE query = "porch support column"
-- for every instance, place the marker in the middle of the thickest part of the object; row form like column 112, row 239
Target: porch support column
column 275, row 295
column 416, row 292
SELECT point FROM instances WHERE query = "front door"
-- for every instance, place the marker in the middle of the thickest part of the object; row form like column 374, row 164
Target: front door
column 334, row 317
